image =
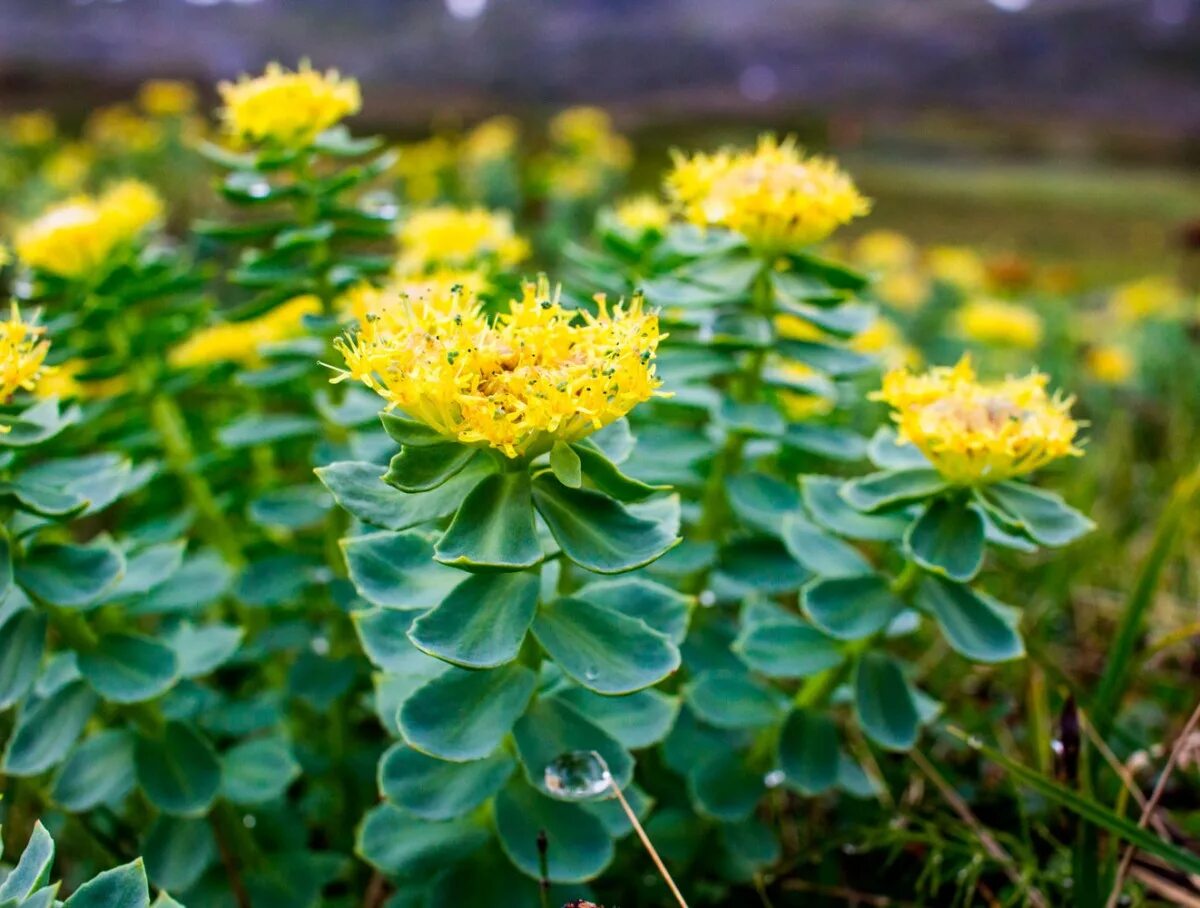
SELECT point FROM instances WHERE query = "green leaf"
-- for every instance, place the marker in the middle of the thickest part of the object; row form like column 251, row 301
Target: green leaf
column 808, row 751
column 605, row 476
column 464, row 715
column 436, row 790
column 887, row 452
column 178, row 850
column 1043, row 515
column 39, row 423
column 359, row 488
column 409, row 432
column 203, row 579
column 291, row 508
column 763, row 502
column 420, row 468
column 947, row 539
column 826, row 507
column 820, row 552
column 129, row 668
column 98, row 771
column 825, row 441
column 602, row 649
column 71, row 575
column 397, row 570
column 264, row 429
column 482, row 622
column 661, row 607
column 45, row 732
column 596, row 532
column 787, row 649
column 830, row 359
column 886, row 703
column 566, row 465
column 850, row 608
column 147, row 569
column 550, row 728
column 972, row 623
column 890, row 488
column 47, row 501
column 729, row 699
column 755, row 420
column 122, row 887
column 757, row 565
column 578, row 846
column 723, row 787
column 203, row 649
column 1138, row 836
column 402, row 844
column 383, row 633
column 22, row 642
column 33, row 868
column 178, row 770
column 258, row 771
column 494, row 529
column 638, row 720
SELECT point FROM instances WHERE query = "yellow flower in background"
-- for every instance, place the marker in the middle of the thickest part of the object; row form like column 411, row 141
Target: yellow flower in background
column 166, row 97
column 992, row 321
column 573, row 178
column 798, row 405
column 959, row 266
column 536, row 374
column 641, row 213
column 241, row 341
column 587, row 132
column 423, row 168
column 31, row 128
column 885, row 341
column 1150, row 297
column 290, row 108
column 1109, row 363
column 775, row 196
column 884, row 250
column 365, row 300
column 445, row 236
column 793, row 327
column 22, row 356
column 491, row 140
column 77, row 237
column 68, row 168
column 906, row 290
column 63, row 382
column 977, row 432
column 122, row 128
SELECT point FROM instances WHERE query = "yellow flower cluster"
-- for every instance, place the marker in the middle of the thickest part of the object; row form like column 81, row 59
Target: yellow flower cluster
column 1109, row 363
column 364, row 300
column 978, row 432
column 993, row 321
column 587, row 132
column 958, row 266
column 775, row 196
column 64, row 382
column 491, row 140
column 75, row 238
column 122, row 129
column 166, row 98
column 423, row 168
column 31, row 128
column 240, row 341
column 286, row 107
column 447, row 237
column 641, row 213
column 536, row 374
column 1148, row 297
column 22, row 355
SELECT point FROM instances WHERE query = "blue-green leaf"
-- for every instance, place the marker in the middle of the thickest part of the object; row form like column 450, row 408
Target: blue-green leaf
column 482, row 622
column 493, row 529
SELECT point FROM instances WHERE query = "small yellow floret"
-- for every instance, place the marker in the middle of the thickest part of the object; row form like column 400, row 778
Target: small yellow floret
column 240, row 341
column 1110, row 364
column 121, row 128
column 641, row 213
column 775, row 196
column 959, row 266
column 365, row 300
column 492, row 139
column 992, row 321
column 906, row 290
column 587, row 133
column 1149, row 297
column 535, row 374
column 290, row 108
column 75, row 238
column 22, row 356
column 447, row 237
column 884, row 250
column 978, row 432
column 166, row 97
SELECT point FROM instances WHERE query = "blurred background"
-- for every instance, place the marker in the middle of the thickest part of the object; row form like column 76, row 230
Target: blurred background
column 1063, row 129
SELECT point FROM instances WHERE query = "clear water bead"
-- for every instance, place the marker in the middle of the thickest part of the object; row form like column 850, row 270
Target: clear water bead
column 578, row 775
column 774, row 778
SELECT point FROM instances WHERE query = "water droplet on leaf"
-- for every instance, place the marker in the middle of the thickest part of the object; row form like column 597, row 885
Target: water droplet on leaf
column 578, row 775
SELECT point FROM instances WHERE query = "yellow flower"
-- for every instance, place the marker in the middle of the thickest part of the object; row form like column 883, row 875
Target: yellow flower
column 166, row 97
column 286, row 107
column 423, row 167
column 883, row 340
column 22, row 356
column 905, row 290
column 491, row 140
column 977, row 432
column 445, row 236
column 884, row 250
column 1109, row 363
column 798, row 406
column 536, row 374
column 992, row 321
column 77, row 237
column 32, row 128
column 122, row 128
column 588, row 132
column 240, row 341
column 775, row 196
column 642, row 213
column 1149, row 297
column 68, row 167
column 64, row 382
column 364, row 300
column 958, row 266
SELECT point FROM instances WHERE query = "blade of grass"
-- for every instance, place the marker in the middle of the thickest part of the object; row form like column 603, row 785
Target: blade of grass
column 1086, row 808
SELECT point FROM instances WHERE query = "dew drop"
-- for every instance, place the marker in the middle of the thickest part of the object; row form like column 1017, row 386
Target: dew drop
column 249, row 821
column 707, row 598
column 591, row 673
column 320, row 646
column 578, row 775
column 774, row 778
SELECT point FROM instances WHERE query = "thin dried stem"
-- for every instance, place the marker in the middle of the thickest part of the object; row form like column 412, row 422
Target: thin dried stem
column 637, row 827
